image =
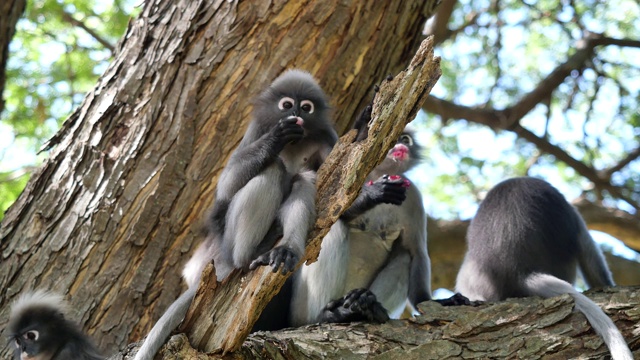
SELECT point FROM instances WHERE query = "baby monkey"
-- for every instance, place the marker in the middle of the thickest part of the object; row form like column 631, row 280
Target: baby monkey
column 40, row 330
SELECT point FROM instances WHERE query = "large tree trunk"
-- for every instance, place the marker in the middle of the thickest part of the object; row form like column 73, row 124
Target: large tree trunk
column 110, row 218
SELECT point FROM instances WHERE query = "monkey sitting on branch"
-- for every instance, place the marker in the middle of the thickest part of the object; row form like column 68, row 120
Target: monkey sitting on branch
column 372, row 260
column 267, row 187
column 527, row 240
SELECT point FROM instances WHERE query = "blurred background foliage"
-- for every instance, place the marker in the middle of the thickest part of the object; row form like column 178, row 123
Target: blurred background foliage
column 494, row 53
column 57, row 54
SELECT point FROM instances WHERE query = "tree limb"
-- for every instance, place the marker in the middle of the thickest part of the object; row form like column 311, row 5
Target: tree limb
column 515, row 328
column 75, row 22
column 508, row 118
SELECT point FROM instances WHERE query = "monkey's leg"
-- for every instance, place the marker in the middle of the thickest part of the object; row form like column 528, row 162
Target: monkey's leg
column 592, row 263
column 296, row 215
column 251, row 213
column 318, row 283
column 391, row 285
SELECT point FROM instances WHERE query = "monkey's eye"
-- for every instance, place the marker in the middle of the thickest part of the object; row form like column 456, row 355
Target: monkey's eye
column 32, row 335
column 406, row 139
column 307, row 106
column 286, row 103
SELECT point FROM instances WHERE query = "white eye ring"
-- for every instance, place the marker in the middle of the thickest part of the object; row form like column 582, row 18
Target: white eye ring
column 286, row 103
column 406, row 139
column 32, row 335
column 309, row 104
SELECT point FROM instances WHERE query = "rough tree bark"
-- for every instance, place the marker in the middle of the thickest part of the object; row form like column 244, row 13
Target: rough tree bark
column 529, row 328
column 113, row 214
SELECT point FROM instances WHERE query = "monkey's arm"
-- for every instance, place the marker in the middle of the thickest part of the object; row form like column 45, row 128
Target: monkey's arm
column 415, row 240
column 590, row 259
column 362, row 122
column 250, row 160
column 385, row 190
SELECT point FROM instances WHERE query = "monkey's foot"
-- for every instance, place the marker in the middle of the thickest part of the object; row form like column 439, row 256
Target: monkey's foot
column 280, row 257
column 457, row 300
column 357, row 305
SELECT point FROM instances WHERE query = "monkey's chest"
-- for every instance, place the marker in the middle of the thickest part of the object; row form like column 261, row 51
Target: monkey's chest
column 297, row 157
column 369, row 251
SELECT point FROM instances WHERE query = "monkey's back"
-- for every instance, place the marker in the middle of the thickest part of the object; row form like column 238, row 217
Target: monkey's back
column 524, row 225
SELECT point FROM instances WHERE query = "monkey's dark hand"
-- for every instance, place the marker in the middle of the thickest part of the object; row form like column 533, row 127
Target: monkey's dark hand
column 388, row 189
column 457, row 300
column 280, row 257
column 362, row 122
column 357, row 305
column 287, row 130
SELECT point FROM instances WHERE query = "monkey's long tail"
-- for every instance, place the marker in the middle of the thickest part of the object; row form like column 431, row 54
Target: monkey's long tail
column 165, row 325
column 548, row 286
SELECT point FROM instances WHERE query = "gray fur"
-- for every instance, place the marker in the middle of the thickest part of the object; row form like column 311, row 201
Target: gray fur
column 39, row 330
column 318, row 283
column 165, row 325
column 527, row 240
column 268, row 181
column 380, row 247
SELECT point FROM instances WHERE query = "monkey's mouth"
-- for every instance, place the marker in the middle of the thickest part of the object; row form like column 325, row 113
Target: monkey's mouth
column 399, row 153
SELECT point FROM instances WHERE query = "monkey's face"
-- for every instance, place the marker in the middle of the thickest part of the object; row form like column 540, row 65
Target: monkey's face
column 309, row 113
column 38, row 334
column 29, row 346
column 402, row 157
column 294, row 94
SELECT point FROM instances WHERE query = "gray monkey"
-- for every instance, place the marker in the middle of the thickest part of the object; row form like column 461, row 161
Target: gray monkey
column 40, row 330
column 267, row 188
column 527, row 240
column 375, row 257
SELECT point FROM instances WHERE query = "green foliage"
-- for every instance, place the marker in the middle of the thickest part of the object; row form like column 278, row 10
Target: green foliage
column 499, row 56
column 53, row 62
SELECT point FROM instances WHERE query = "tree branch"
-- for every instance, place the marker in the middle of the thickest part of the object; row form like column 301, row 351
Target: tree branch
column 516, row 328
column 509, row 118
column 621, row 164
column 73, row 21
